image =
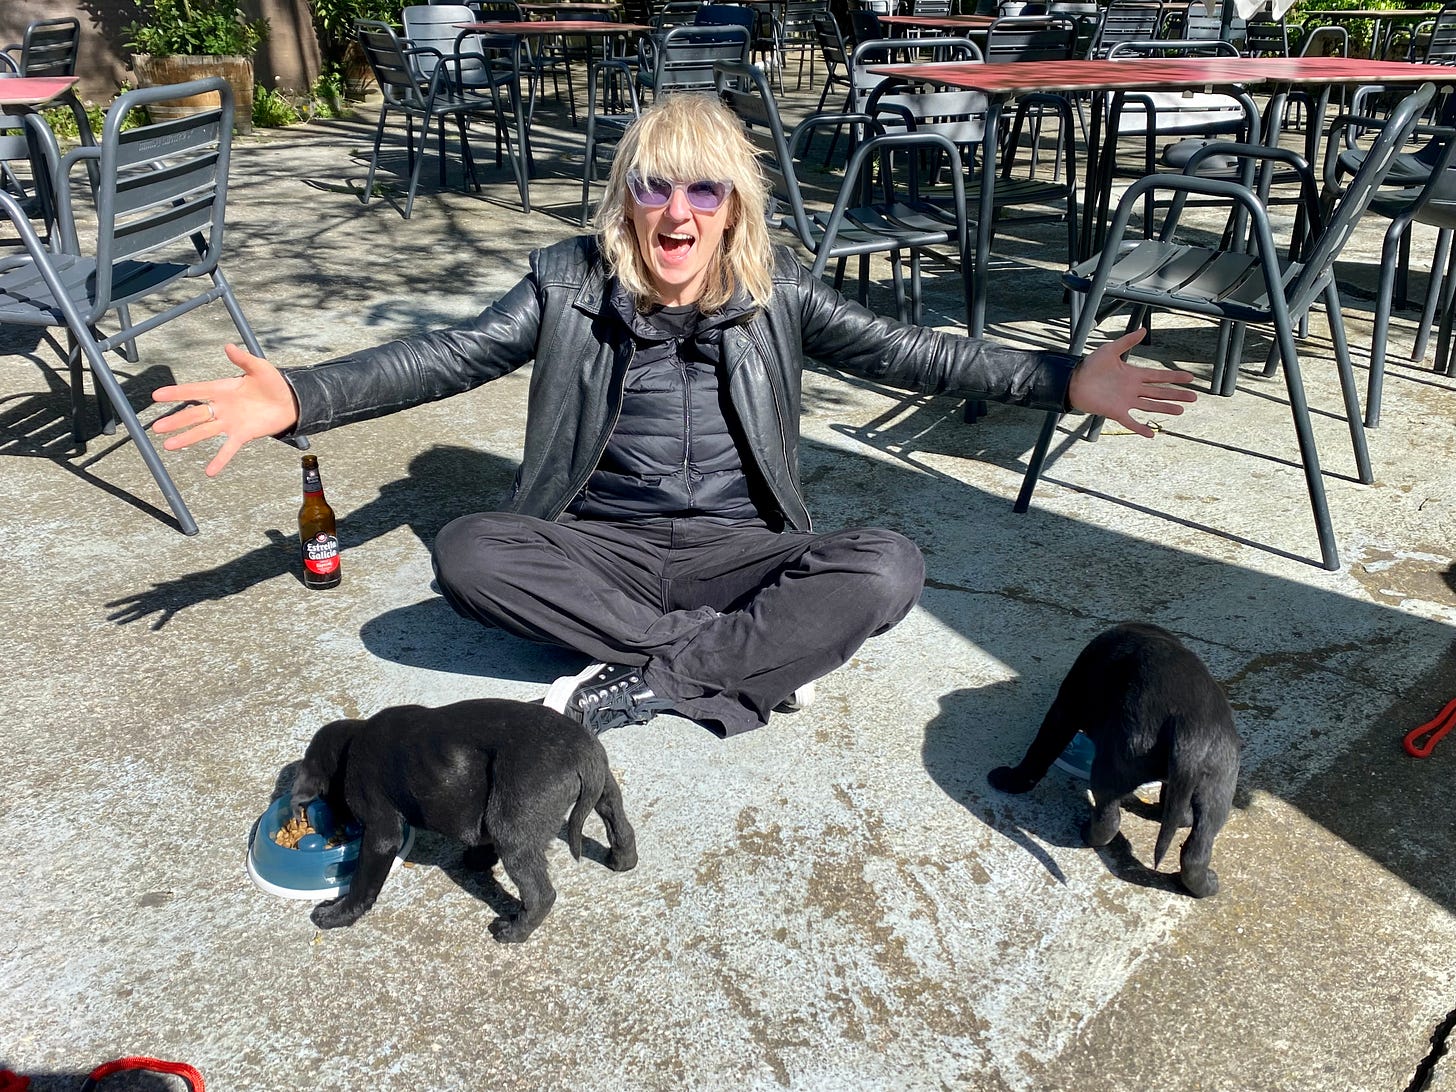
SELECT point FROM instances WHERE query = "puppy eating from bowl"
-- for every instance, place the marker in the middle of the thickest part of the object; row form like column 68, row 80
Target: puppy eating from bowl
column 1154, row 713
column 497, row 775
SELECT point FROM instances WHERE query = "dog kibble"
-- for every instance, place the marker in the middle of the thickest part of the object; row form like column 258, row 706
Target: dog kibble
column 295, row 830
column 289, row 834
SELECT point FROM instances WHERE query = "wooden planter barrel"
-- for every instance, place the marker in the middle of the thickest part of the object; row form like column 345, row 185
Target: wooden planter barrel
column 159, row 71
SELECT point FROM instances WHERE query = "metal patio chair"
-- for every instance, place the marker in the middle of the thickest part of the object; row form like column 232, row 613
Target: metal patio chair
column 1250, row 283
column 1432, row 203
column 160, row 202
column 427, row 85
column 855, row 225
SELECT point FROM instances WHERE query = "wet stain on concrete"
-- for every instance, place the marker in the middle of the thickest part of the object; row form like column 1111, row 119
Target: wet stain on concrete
column 1397, row 576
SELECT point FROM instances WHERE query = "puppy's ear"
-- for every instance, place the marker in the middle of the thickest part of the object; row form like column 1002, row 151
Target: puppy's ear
column 308, row 785
column 322, row 762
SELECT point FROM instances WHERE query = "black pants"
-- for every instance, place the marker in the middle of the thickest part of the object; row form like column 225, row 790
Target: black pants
column 727, row 620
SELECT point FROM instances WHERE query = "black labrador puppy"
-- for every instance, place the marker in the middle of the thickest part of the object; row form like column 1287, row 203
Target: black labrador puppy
column 498, row 775
column 1154, row 713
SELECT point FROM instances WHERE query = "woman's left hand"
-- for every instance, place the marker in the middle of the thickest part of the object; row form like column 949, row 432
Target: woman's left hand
column 1104, row 383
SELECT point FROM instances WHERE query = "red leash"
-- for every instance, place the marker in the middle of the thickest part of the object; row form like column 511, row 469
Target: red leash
column 1420, row 742
column 14, row 1082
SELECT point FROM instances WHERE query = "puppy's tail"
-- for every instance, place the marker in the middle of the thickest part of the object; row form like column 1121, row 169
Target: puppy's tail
column 1177, row 796
column 586, row 800
column 1169, row 830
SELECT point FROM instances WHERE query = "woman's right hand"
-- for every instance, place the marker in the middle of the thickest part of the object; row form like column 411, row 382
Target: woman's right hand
column 240, row 409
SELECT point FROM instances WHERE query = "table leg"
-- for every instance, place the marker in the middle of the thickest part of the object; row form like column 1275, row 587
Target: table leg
column 985, row 219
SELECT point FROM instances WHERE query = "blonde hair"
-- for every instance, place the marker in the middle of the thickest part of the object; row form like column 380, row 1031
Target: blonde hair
column 689, row 136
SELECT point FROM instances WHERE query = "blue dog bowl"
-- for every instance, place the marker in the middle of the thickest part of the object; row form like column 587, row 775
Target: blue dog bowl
column 314, row 870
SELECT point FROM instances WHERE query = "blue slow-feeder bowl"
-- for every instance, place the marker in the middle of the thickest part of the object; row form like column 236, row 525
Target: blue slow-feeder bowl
column 313, row 870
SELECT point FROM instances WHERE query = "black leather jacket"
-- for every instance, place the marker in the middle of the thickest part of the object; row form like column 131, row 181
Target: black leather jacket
column 562, row 316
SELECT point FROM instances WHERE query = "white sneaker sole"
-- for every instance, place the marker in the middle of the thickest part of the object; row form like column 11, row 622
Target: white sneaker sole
column 798, row 701
column 561, row 690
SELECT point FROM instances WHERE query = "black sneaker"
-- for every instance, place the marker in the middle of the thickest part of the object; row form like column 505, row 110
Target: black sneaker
column 605, row 696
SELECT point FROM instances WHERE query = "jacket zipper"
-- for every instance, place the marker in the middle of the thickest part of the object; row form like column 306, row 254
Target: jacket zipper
column 579, row 484
column 779, row 400
column 687, row 420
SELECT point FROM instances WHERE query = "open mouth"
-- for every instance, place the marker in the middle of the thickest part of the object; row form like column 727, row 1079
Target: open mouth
column 675, row 246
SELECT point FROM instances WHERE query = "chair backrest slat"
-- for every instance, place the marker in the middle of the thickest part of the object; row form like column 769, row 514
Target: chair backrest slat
column 162, row 227
column 137, row 191
column 170, row 137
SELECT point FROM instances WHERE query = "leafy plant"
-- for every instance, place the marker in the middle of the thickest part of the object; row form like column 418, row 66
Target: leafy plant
column 63, row 123
column 165, row 28
column 272, row 109
column 1361, row 30
column 333, row 22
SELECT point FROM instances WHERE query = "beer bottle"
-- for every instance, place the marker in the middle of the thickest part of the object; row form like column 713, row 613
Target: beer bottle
column 316, row 531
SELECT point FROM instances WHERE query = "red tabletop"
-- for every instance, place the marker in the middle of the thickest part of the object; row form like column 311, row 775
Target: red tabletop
column 33, row 90
column 939, row 22
column 551, row 26
column 1148, row 73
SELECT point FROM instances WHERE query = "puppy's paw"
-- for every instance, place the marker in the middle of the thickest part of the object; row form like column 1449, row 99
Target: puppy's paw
column 1199, row 883
column 1100, row 832
column 335, row 914
column 622, row 860
column 511, row 930
column 1010, row 779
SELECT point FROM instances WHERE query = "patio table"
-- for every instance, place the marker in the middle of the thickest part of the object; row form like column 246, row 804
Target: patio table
column 585, row 28
column 1002, row 82
column 30, row 92
column 954, row 25
column 550, row 9
column 27, row 94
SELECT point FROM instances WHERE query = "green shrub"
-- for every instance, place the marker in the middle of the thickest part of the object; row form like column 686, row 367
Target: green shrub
column 273, row 110
column 1361, row 30
column 333, row 22
column 165, row 28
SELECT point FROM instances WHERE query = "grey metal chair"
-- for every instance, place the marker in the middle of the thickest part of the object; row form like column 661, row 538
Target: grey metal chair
column 1250, row 283
column 429, row 86
column 856, row 225
column 1432, row 204
column 682, row 59
column 158, row 226
column 1125, row 21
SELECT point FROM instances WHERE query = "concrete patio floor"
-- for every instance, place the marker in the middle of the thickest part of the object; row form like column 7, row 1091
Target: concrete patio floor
column 838, row 901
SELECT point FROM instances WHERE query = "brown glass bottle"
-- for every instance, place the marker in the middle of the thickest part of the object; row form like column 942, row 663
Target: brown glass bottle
column 316, row 537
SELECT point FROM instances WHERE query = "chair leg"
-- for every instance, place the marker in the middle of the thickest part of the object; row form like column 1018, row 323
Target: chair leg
column 416, row 162
column 1308, row 455
column 78, row 393
column 440, row 154
column 1380, row 332
column 1438, row 292
column 374, row 158
column 107, row 384
column 1086, row 317
column 467, row 157
column 1348, row 389
column 128, row 348
column 1445, row 359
